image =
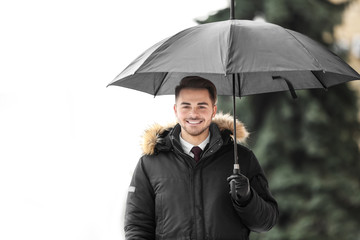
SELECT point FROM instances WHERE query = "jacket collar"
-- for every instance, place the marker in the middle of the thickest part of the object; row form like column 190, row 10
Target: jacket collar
column 158, row 137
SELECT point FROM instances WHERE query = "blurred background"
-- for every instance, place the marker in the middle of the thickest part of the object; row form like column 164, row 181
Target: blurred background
column 309, row 147
column 68, row 144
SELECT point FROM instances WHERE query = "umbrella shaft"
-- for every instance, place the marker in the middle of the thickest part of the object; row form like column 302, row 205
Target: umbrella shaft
column 236, row 161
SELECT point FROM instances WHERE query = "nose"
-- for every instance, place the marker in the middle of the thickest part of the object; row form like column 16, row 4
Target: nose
column 194, row 113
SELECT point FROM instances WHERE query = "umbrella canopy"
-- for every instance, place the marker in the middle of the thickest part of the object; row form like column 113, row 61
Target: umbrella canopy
column 262, row 57
column 241, row 58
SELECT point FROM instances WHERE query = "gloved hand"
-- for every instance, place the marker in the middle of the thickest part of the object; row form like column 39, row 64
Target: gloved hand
column 242, row 187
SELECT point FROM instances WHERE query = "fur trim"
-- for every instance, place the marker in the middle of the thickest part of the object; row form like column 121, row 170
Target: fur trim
column 151, row 137
column 224, row 121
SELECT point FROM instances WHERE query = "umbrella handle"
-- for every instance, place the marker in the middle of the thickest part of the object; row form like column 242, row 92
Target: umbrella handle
column 236, row 171
column 233, row 189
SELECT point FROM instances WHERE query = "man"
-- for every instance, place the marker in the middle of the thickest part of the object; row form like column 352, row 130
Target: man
column 180, row 187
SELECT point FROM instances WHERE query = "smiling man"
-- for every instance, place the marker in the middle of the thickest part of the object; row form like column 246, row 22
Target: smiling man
column 194, row 108
column 180, row 188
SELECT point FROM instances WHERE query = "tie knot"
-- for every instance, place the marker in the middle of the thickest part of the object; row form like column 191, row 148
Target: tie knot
column 197, row 152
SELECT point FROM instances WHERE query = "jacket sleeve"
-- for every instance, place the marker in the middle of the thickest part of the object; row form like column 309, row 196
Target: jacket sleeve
column 140, row 207
column 261, row 213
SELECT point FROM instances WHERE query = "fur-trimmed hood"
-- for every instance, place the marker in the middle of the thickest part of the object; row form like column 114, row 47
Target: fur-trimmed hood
column 152, row 135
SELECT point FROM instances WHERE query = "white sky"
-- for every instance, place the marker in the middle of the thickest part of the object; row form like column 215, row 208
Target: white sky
column 66, row 139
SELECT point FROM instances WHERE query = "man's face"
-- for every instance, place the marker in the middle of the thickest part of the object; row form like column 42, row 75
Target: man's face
column 194, row 111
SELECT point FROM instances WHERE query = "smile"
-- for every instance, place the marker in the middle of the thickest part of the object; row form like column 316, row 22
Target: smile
column 194, row 122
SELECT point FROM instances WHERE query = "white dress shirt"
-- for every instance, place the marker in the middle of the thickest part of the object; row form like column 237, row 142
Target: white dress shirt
column 188, row 146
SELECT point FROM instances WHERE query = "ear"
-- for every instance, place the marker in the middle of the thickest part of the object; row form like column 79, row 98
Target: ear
column 175, row 109
column 215, row 110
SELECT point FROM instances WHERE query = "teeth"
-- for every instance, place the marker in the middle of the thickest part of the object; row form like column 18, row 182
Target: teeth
column 194, row 122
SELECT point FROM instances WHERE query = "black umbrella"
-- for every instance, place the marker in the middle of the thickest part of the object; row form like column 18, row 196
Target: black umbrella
column 241, row 58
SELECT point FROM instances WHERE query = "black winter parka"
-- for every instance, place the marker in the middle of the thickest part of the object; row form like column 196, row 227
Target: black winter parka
column 172, row 197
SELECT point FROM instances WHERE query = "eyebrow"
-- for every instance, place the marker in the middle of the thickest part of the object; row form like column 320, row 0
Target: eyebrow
column 203, row 103
column 184, row 103
column 200, row 103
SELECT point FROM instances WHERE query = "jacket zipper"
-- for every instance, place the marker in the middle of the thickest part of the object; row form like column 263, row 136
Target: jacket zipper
column 192, row 189
column 192, row 186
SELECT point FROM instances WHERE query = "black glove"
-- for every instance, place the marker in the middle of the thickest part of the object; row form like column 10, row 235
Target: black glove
column 242, row 188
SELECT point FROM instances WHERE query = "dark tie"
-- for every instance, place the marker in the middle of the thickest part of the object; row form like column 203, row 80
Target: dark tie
column 197, row 152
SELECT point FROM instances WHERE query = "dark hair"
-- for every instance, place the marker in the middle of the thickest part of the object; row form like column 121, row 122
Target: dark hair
column 197, row 82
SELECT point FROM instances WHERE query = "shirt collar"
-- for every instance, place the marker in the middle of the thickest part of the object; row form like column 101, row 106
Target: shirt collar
column 186, row 146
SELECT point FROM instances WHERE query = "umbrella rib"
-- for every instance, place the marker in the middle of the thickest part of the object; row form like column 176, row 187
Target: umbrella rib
column 229, row 45
column 307, row 51
column 161, row 83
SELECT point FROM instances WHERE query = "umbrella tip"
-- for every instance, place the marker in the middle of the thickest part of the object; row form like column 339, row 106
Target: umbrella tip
column 232, row 9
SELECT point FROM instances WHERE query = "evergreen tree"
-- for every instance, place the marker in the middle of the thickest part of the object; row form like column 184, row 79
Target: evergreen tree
column 308, row 147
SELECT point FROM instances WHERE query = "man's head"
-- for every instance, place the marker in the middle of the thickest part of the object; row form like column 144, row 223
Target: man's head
column 196, row 82
column 195, row 107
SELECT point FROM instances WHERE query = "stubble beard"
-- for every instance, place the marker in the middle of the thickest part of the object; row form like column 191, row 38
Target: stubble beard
column 195, row 132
